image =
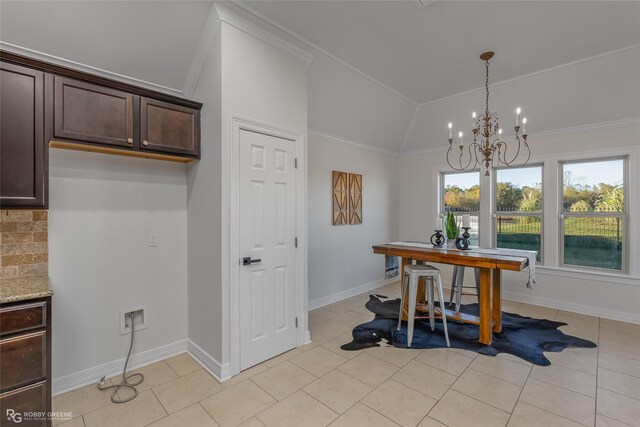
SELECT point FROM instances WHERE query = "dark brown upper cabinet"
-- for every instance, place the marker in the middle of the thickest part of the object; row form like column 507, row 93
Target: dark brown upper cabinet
column 23, row 171
column 169, row 128
column 91, row 113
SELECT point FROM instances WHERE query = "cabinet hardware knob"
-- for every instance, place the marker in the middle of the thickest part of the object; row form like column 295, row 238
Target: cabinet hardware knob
column 130, row 140
column 145, row 142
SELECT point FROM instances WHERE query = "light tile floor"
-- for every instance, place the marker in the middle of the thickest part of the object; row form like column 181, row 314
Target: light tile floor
column 320, row 384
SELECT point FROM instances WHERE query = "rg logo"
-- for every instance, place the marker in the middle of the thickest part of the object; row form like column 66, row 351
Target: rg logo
column 14, row 416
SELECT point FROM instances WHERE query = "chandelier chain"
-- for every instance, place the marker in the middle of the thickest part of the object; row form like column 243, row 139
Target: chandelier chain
column 486, row 85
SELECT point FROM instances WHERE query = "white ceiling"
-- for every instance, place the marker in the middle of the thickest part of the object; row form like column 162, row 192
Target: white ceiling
column 373, row 60
column 431, row 53
column 153, row 41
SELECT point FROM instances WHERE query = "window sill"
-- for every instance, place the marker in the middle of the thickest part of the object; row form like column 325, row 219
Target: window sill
column 619, row 278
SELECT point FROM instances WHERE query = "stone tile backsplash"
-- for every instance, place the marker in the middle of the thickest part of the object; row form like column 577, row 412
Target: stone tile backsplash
column 24, row 243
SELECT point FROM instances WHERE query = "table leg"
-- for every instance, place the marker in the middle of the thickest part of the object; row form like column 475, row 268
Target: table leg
column 485, row 306
column 497, row 301
column 405, row 307
column 421, row 289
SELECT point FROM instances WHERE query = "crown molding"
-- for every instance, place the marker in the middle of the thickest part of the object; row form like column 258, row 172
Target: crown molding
column 535, row 73
column 301, row 39
column 205, row 44
column 232, row 14
column 611, row 124
column 19, row 50
column 336, row 139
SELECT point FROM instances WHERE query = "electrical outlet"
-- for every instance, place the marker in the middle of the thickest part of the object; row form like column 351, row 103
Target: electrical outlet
column 139, row 321
column 154, row 240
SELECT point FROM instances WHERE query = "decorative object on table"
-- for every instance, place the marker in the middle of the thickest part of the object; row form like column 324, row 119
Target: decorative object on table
column 347, row 198
column 355, row 198
column 488, row 147
column 523, row 337
column 462, row 242
column 451, row 230
column 437, row 239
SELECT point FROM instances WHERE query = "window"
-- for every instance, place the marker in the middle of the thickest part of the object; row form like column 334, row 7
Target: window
column 518, row 209
column 461, row 195
column 594, row 214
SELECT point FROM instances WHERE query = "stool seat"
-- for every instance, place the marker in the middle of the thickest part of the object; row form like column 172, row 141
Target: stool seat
column 412, row 274
column 422, row 268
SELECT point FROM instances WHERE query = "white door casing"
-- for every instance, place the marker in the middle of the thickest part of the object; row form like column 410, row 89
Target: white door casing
column 267, row 233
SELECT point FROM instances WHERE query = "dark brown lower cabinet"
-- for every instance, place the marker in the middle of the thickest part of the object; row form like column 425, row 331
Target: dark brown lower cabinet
column 25, row 363
column 23, row 177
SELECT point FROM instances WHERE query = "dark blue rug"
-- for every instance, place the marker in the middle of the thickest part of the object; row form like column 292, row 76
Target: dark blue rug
column 524, row 337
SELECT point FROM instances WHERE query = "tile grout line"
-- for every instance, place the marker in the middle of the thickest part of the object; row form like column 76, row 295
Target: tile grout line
column 520, row 394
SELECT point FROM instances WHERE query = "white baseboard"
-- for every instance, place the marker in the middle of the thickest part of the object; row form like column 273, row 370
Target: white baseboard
column 575, row 308
column 220, row 372
column 92, row 375
column 348, row 293
column 307, row 337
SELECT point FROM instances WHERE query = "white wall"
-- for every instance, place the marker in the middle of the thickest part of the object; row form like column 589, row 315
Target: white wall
column 102, row 209
column 341, row 262
column 607, row 295
column 205, row 213
column 247, row 78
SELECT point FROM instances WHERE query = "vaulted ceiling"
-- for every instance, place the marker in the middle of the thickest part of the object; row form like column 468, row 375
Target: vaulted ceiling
column 375, row 62
column 432, row 52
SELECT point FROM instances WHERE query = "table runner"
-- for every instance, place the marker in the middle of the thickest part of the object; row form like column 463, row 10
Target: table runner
column 531, row 255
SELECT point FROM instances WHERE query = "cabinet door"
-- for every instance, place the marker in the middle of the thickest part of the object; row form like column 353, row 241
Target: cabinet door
column 23, row 176
column 169, row 128
column 89, row 113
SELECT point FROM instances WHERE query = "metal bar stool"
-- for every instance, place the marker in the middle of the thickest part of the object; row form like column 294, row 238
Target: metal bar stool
column 457, row 285
column 412, row 274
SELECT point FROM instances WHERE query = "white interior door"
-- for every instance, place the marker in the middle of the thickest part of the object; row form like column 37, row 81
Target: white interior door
column 267, row 202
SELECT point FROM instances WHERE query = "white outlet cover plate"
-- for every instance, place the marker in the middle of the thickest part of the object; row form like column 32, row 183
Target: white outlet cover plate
column 138, row 326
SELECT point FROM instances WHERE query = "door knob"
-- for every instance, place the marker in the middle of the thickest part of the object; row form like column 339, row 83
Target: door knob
column 248, row 261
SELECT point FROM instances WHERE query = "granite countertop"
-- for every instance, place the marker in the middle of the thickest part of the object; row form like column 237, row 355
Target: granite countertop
column 24, row 288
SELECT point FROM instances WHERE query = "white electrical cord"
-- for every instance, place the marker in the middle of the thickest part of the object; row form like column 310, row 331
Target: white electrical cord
column 126, row 380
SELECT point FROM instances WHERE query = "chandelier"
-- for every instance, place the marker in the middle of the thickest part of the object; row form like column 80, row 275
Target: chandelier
column 488, row 147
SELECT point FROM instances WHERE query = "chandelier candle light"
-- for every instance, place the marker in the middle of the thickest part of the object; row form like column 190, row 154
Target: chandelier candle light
column 488, row 147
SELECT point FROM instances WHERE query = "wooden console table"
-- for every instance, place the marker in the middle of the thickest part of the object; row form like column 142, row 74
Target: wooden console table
column 491, row 266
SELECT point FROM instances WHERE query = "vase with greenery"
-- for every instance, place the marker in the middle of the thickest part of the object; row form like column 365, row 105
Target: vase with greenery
column 451, row 229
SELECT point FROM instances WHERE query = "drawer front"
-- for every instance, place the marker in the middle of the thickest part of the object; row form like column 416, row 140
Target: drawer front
column 30, row 399
column 23, row 359
column 18, row 318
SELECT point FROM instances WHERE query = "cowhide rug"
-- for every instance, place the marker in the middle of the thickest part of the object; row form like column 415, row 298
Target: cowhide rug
column 524, row 337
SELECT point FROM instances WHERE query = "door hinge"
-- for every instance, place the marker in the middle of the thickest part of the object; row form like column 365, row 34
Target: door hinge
column 296, row 242
column 296, row 322
column 295, row 163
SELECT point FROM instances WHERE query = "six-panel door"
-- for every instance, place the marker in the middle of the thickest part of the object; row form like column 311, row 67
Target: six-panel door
column 91, row 113
column 22, row 146
column 169, row 128
column 267, row 202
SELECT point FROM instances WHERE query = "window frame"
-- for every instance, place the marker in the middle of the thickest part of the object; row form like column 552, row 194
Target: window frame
column 495, row 213
column 442, row 212
column 566, row 214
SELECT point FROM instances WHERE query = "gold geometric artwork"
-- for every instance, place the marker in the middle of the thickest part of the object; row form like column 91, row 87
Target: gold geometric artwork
column 355, row 198
column 347, row 198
